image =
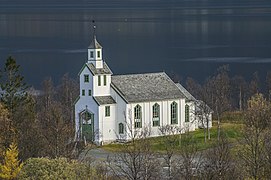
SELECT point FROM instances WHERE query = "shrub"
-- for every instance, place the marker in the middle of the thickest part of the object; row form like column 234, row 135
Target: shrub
column 60, row 168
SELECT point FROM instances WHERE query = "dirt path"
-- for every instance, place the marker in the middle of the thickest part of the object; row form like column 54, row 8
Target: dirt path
column 95, row 154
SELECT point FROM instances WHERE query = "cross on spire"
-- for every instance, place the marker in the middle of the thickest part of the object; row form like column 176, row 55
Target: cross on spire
column 94, row 29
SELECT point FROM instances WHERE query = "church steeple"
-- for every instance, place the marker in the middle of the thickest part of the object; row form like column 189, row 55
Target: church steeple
column 95, row 52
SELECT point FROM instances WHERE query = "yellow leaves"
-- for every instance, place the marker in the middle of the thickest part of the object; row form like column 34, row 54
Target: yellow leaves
column 258, row 101
column 11, row 165
column 3, row 112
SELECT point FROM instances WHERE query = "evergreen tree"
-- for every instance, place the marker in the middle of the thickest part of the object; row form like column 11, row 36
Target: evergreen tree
column 12, row 165
column 21, row 110
column 4, row 130
column 13, row 86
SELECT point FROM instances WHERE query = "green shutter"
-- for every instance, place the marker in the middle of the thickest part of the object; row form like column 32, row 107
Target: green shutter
column 89, row 92
column 138, row 116
column 107, row 111
column 186, row 113
column 155, row 115
column 121, row 128
column 173, row 113
column 99, row 80
column 104, row 80
column 86, row 78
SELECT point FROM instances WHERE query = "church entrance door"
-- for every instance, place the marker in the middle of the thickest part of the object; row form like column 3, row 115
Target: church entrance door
column 87, row 126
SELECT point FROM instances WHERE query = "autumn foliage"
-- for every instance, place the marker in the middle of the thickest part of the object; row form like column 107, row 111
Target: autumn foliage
column 11, row 165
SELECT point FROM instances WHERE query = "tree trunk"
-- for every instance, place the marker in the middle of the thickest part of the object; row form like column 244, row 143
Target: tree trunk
column 218, row 124
column 205, row 134
column 240, row 99
column 208, row 128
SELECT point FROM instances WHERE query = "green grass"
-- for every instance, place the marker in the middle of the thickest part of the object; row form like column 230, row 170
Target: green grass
column 231, row 130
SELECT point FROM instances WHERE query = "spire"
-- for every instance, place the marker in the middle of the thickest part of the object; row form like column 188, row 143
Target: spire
column 95, row 51
column 94, row 43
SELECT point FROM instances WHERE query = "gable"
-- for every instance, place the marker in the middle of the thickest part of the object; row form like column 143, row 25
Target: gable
column 83, row 68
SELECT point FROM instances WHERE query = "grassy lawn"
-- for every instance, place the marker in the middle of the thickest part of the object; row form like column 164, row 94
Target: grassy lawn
column 231, row 130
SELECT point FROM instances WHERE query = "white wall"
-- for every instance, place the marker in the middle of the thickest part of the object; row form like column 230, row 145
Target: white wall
column 101, row 90
column 165, row 117
column 95, row 54
column 97, row 61
column 86, row 85
column 121, row 114
column 193, row 123
column 86, row 100
column 107, row 124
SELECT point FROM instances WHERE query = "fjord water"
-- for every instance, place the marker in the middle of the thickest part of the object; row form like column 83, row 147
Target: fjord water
column 183, row 37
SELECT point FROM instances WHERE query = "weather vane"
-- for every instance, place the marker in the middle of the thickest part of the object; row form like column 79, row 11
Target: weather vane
column 94, row 27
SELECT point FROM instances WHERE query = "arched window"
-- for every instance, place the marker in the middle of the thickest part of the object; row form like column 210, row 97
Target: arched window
column 186, row 113
column 138, row 115
column 156, row 115
column 121, row 128
column 173, row 113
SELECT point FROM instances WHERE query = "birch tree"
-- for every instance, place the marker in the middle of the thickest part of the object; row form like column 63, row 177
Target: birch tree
column 256, row 123
column 221, row 94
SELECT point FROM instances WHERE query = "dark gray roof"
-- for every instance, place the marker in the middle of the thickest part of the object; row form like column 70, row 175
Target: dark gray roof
column 94, row 70
column 146, row 87
column 101, row 100
column 187, row 95
column 94, row 44
column 200, row 105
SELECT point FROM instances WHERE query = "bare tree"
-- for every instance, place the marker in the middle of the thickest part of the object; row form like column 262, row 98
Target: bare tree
column 170, row 141
column 254, row 84
column 221, row 93
column 190, row 159
column 256, row 123
column 268, row 85
column 202, row 111
column 193, row 87
column 67, row 93
column 136, row 159
column 239, row 86
column 56, row 130
column 218, row 162
column 203, row 114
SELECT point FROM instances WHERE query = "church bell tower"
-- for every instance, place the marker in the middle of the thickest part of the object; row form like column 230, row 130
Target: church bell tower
column 95, row 52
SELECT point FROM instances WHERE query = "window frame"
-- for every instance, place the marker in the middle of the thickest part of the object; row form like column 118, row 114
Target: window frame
column 138, row 116
column 105, row 80
column 99, row 80
column 174, row 113
column 98, row 54
column 121, row 128
column 89, row 92
column 83, row 92
column 156, row 115
column 91, row 54
column 187, row 113
column 86, row 78
column 107, row 111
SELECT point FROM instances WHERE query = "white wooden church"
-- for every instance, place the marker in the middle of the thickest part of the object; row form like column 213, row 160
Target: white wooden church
column 112, row 107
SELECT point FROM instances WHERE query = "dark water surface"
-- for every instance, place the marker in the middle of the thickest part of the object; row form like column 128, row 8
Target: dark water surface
column 185, row 37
